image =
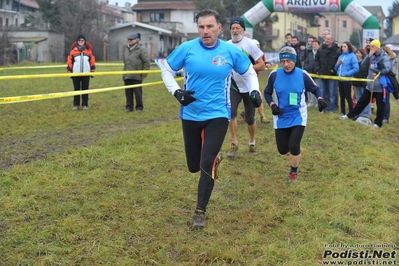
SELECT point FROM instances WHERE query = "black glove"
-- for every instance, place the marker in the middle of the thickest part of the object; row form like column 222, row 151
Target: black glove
column 255, row 98
column 380, row 65
column 184, row 97
column 276, row 110
column 321, row 104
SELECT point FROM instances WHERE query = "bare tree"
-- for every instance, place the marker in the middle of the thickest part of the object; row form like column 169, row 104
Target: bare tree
column 74, row 17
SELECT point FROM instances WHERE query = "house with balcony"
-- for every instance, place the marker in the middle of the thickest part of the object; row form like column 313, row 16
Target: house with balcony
column 162, row 25
column 9, row 13
column 177, row 16
column 113, row 15
column 23, row 34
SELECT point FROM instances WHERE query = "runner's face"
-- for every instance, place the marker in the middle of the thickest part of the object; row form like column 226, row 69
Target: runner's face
column 237, row 32
column 287, row 64
column 208, row 30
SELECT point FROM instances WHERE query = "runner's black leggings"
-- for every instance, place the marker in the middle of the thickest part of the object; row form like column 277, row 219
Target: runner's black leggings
column 289, row 139
column 202, row 142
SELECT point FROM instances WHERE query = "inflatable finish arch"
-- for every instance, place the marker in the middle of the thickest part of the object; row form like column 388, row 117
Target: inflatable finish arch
column 358, row 13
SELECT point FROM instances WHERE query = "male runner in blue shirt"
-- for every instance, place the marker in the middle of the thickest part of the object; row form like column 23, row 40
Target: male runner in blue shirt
column 205, row 109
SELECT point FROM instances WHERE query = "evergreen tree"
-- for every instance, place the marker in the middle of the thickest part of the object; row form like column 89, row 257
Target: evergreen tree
column 74, row 17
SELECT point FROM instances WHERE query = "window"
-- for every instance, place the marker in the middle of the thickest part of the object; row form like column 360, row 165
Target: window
column 6, row 22
column 156, row 17
column 344, row 24
column 16, row 22
column 326, row 24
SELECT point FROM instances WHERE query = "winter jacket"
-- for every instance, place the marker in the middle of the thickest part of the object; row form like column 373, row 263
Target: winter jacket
column 81, row 59
column 325, row 59
column 349, row 65
column 308, row 51
column 135, row 58
column 362, row 73
column 309, row 64
column 379, row 63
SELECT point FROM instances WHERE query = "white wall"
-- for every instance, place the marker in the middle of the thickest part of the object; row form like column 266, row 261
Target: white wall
column 187, row 18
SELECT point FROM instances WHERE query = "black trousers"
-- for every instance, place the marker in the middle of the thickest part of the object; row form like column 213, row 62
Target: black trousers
column 136, row 92
column 364, row 101
column 202, row 142
column 345, row 93
column 81, row 83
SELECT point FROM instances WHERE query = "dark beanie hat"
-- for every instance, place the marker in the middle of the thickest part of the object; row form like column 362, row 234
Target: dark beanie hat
column 238, row 20
column 81, row 36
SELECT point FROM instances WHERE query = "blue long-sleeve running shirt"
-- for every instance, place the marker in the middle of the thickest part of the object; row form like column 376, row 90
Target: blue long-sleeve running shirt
column 207, row 71
column 289, row 94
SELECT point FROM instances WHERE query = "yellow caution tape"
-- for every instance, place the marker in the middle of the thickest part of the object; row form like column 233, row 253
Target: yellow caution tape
column 340, row 78
column 27, row 98
column 56, row 66
column 63, row 75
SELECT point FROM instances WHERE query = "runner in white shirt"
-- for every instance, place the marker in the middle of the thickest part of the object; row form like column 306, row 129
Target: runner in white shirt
column 239, row 89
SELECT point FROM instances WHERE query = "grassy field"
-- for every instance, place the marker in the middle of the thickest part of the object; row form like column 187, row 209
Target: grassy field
column 105, row 187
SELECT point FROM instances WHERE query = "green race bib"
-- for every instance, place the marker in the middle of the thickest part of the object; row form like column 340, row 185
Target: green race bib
column 293, row 99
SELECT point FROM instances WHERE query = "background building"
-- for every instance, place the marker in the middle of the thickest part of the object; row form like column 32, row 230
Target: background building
column 343, row 26
column 163, row 25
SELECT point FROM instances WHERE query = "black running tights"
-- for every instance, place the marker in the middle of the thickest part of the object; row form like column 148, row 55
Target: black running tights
column 202, row 142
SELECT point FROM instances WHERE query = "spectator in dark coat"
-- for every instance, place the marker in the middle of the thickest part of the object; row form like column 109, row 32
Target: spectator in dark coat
column 325, row 60
column 309, row 66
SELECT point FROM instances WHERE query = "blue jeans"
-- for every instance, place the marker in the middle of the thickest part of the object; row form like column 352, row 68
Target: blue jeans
column 328, row 85
column 387, row 108
column 358, row 92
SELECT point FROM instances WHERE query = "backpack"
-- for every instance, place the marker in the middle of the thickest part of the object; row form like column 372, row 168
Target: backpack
column 395, row 84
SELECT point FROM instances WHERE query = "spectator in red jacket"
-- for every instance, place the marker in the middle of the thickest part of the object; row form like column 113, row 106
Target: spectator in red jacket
column 81, row 60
